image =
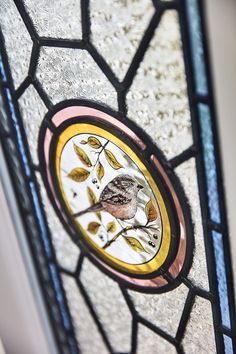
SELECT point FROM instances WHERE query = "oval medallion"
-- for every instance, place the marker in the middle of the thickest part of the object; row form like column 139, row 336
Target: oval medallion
column 114, row 196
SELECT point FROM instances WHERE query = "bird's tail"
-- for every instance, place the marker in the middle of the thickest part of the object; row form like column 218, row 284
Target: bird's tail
column 92, row 209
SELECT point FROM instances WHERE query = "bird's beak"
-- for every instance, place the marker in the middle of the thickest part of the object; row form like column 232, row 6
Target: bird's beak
column 140, row 186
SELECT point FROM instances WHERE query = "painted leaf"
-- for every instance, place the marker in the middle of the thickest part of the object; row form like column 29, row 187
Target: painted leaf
column 134, row 244
column 82, row 156
column 111, row 226
column 93, row 227
column 78, row 174
column 112, row 160
column 92, row 197
column 94, row 142
column 93, row 200
column 100, row 171
column 83, row 142
column 151, row 211
column 98, row 213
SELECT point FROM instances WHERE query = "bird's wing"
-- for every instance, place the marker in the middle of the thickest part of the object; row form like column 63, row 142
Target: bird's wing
column 118, row 199
column 112, row 195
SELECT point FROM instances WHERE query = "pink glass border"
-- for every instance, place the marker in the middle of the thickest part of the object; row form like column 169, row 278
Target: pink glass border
column 82, row 111
column 77, row 111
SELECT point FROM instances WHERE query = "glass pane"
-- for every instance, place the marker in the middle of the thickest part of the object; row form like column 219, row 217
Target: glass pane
column 108, row 128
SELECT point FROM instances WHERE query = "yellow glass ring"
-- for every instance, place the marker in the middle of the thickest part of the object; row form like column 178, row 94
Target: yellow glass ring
column 160, row 257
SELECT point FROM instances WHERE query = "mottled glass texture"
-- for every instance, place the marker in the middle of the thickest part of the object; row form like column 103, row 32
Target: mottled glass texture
column 221, row 275
column 209, row 160
column 197, row 47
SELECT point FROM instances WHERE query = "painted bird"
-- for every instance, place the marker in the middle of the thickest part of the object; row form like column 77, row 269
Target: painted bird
column 119, row 198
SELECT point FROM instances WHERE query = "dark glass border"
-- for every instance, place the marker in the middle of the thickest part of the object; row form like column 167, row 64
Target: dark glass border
column 143, row 155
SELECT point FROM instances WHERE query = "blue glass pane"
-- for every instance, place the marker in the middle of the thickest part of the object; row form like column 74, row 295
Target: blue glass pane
column 40, row 221
column 221, row 277
column 196, row 46
column 18, row 133
column 59, row 296
column 209, row 161
column 73, row 345
column 4, row 122
column 2, row 71
column 228, row 345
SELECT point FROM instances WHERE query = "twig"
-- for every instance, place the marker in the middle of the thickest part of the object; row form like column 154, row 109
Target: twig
column 125, row 229
column 99, row 153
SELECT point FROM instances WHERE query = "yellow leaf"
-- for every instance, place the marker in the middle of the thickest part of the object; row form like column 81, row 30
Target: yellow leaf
column 93, row 200
column 151, row 211
column 78, row 174
column 112, row 160
column 94, row 142
column 83, row 142
column 134, row 244
column 92, row 197
column 98, row 213
column 82, row 156
column 111, row 226
column 93, row 227
column 100, row 171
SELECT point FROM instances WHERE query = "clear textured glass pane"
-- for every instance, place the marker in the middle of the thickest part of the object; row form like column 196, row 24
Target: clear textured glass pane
column 164, row 310
column 157, row 99
column 199, row 335
column 56, row 19
column 188, row 178
column 17, row 41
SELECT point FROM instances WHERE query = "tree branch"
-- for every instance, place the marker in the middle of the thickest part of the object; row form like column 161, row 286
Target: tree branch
column 125, row 229
column 99, row 153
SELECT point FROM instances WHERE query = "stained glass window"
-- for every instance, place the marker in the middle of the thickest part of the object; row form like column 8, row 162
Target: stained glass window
column 108, row 129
